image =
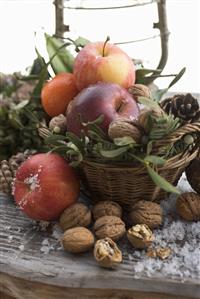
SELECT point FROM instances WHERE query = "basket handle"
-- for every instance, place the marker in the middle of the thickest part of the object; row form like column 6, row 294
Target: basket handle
column 178, row 134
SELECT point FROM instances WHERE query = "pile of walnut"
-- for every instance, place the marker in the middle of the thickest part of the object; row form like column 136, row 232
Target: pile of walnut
column 106, row 225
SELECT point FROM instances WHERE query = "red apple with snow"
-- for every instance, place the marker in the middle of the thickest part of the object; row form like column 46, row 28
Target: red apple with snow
column 45, row 185
column 107, row 99
column 104, row 62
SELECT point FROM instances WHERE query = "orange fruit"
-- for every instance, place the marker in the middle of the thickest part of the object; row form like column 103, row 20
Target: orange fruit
column 57, row 93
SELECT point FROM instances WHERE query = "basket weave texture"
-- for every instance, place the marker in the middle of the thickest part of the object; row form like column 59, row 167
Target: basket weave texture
column 127, row 184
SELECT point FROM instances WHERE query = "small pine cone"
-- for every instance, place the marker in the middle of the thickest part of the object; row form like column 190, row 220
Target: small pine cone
column 8, row 170
column 186, row 107
column 122, row 128
column 58, row 124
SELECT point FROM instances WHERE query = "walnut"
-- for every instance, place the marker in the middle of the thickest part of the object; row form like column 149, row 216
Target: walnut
column 193, row 174
column 77, row 214
column 146, row 212
column 139, row 90
column 77, row 239
column 106, row 253
column 188, row 206
column 106, row 207
column 109, row 226
column 123, row 127
column 140, row 236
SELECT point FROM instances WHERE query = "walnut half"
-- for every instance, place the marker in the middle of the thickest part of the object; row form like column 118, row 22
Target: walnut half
column 106, row 253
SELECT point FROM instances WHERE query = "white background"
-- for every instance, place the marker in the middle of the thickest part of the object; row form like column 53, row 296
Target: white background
column 19, row 19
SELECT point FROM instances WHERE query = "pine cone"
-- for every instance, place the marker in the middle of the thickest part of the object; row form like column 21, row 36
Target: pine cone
column 8, row 170
column 186, row 107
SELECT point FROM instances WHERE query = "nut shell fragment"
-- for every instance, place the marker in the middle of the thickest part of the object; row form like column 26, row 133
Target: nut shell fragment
column 109, row 226
column 77, row 214
column 106, row 253
column 188, row 206
column 160, row 252
column 109, row 208
column 77, row 239
column 140, row 236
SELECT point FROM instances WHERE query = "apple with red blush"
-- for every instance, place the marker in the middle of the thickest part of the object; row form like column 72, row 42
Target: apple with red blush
column 107, row 99
column 105, row 62
column 45, row 186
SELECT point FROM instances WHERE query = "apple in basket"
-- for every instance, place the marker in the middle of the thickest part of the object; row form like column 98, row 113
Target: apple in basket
column 103, row 61
column 44, row 186
column 107, row 99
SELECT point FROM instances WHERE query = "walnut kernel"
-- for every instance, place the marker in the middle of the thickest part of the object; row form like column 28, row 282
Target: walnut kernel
column 106, row 253
column 140, row 236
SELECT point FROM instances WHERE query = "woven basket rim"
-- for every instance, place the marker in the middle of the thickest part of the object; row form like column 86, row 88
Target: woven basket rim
column 173, row 162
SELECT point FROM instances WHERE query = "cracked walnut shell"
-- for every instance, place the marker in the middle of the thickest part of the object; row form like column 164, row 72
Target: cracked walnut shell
column 106, row 253
column 188, row 206
column 77, row 239
column 77, row 214
column 146, row 212
column 109, row 208
column 109, row 226
column 140, row 236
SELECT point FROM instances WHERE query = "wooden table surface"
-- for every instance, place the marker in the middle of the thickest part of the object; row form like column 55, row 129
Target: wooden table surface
column 26, row 272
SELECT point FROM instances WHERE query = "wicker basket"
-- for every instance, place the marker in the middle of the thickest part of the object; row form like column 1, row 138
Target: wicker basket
column 127, row 184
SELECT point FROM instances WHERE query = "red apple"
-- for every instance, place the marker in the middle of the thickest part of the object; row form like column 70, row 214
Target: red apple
column 108, row 99
column 103, row 62
column 45, row 185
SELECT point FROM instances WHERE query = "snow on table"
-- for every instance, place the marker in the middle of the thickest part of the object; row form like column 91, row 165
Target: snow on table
column 32, row 251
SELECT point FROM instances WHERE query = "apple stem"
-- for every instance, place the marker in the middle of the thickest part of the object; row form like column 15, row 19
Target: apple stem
column 104, row 45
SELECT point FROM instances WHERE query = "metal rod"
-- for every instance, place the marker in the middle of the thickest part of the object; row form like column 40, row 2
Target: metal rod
column 137, row 3
column 59, row 18
column 164, row 37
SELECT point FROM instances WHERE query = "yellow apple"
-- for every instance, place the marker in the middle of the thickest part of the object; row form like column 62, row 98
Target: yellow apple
column 101, row 61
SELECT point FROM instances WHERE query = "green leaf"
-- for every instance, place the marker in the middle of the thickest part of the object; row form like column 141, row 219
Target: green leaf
column 148, row 103
column 76, row 141
column 55, row 138
column 140, row 73
column 126, row 140
column 154, row 160
column 81, row 42
column 21, row 105
column 113, row 153
column 157, row 94
column 63, row 60
column 177, row 78
column 161, row 182
column 98, row 121
column 149, row 147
